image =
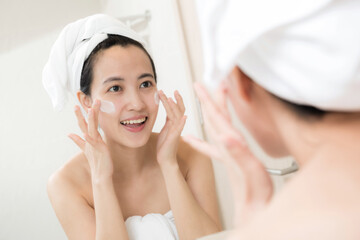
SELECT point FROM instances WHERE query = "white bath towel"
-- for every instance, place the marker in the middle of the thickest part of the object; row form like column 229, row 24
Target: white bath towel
column 307, row 52
column 152, row 226
column 62, row 72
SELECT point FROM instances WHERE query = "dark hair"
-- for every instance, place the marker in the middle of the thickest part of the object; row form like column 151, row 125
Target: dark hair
column 304, row 111
column 112, row 40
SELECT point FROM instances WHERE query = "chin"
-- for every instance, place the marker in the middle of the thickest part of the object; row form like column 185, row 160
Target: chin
column 135, row 141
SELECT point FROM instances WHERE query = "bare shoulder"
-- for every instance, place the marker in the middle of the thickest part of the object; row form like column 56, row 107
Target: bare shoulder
column 189, row 159
column 192, row 160
column 69, row 191
column 73, row 177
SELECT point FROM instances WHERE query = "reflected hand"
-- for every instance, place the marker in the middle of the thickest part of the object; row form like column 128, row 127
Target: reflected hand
column 169, row 136
column 251, row 184
column 94, row 148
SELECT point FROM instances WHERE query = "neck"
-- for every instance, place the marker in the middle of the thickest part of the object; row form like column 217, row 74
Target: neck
column 332, row 137
column 130, row 162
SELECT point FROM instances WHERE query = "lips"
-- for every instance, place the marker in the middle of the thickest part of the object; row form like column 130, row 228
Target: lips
column 134, row 124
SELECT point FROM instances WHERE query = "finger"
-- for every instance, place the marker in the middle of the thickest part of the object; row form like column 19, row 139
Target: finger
column 78, row 141
column 96, row 107
column 208, row 106
column 81, row 120
column 256, row 177
column 215, row 118
column 90, row 140
column 166, row 105
column 93, row 122
column 182, row 124
column 241, row 154
column 179, row 101
column 202, row 146
column 221, row 94
column 176, row 129
column 175, row 108
column 207, row 103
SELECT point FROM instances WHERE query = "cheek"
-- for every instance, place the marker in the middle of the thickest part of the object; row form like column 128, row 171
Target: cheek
column 105, row 121
column 152, row 102
column 151, row 99
column 156, row 98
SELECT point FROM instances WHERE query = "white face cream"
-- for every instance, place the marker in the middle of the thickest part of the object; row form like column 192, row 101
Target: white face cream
column 107, row 107
column 156, row 98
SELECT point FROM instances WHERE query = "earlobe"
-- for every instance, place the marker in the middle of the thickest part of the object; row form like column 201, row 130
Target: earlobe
column 84, row 100
column 241, row 83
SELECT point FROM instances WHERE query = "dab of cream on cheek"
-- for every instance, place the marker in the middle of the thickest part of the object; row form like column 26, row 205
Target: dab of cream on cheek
column 107, row 107
column 156, row 98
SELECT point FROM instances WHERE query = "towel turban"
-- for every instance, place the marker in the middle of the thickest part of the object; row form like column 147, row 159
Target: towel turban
column 306, row 52
column 62, row 72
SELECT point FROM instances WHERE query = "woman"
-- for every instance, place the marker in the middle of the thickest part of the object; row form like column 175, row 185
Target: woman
column 129, row 172
column 292, row 77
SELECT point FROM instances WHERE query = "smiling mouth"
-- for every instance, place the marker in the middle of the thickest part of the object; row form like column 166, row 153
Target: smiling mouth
column 134, row 123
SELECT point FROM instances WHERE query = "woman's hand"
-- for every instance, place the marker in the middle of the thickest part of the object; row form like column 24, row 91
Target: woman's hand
column 169, row 136
column 93, row 146
column 251, row 184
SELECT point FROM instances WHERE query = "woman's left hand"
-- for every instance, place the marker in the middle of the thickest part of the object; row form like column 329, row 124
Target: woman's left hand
column 169, row 136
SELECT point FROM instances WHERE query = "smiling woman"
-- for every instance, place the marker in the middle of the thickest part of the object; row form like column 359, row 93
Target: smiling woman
column 96, row 194
column 110, row 80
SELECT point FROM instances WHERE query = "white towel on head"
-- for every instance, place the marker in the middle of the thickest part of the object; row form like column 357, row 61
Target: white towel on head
column 307, row 52
column 76, row 41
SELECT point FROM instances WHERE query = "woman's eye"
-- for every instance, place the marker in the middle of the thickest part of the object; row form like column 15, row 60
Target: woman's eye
column 114, row 89
column 146, row 84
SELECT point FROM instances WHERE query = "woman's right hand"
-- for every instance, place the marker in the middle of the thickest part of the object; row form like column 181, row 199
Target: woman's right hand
column 251, row 184
column 94, row 147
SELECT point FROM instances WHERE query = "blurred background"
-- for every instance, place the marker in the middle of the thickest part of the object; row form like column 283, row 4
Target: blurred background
column 33, row 137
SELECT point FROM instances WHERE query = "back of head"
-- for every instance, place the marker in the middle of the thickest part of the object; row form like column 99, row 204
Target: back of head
column 304, row 52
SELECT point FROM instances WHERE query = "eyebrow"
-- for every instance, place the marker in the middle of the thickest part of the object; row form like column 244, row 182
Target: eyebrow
column 144, row 75
column 112, row 79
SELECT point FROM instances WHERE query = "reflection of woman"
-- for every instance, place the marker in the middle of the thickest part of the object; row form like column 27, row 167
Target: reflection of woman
column 130, row 172
column 292, row 75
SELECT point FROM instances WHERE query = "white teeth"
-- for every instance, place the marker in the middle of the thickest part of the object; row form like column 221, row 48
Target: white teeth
column 134, row 121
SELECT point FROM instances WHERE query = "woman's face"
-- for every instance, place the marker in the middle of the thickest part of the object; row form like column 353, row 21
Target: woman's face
column 124, row 76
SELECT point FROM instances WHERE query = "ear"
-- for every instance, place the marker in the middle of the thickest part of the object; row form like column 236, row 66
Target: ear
column 241, row 83
column 84, row 100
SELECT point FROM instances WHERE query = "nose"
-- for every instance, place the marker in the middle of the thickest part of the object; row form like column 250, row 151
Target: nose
column 134, row 102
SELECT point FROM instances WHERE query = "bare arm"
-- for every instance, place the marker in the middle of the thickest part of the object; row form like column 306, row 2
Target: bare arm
column 194, row 202
column 78, row 219
column 75, row 215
